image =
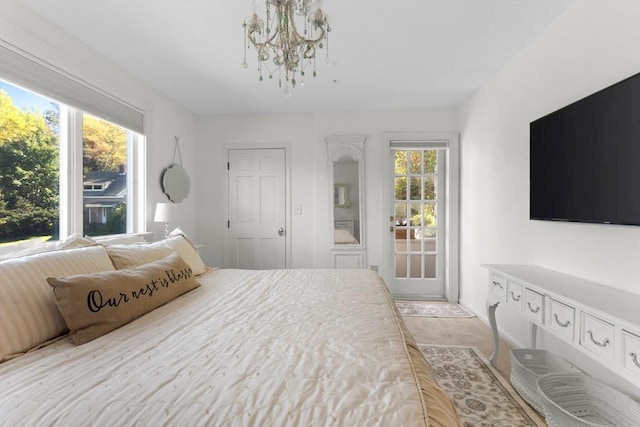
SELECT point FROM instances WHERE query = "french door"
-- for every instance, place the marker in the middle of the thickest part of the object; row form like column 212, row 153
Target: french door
column 422, row 234
column 257, row 208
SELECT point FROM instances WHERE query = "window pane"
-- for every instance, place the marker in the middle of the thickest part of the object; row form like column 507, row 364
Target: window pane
column 428, row 232
column 429, row 214
column 429, row 245
column 415, row 193
column 104, row 150
column 415, row 162
column 430, row 266
column 430, row 161
column 401, row 214
column 401, row 162
column 415, row 269
column 401, row 188
column 415, row 214
column 401, row 265
column 429, row 188
column 29, row 165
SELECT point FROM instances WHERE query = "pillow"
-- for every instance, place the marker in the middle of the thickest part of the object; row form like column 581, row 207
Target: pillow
column 177, row 232
column 28, row 313
column 119, row 239
column 134, row 255
column 74, row 241
column 130, row 256
column 20, row 249
column 36, row 246
column 94, row 304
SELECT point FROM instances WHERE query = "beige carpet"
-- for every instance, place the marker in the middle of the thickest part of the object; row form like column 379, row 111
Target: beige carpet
column 479, row 393
column 462, row 332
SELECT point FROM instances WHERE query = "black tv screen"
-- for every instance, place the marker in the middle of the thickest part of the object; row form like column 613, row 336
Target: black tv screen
column 585, row 159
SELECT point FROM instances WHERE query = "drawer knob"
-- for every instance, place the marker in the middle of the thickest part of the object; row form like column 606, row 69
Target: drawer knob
column 533, row 310
column 513, row 297
column 562, row 325
column 599, row 344
column 498, row 284
column 634, row 357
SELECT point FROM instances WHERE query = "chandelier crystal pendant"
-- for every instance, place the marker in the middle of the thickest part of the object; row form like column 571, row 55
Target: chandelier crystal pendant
column 282, row 44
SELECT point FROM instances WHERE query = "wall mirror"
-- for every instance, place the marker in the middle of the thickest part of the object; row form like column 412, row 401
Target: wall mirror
column 346, row 168
column 175, row 183
column 175, row 180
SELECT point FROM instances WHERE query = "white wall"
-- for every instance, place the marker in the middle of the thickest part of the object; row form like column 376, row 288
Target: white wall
column 164, row 118
column 591, row 46
column 217, row 133
column 311, row 232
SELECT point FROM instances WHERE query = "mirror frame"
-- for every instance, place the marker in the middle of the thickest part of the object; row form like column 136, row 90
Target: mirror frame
column 353, row 147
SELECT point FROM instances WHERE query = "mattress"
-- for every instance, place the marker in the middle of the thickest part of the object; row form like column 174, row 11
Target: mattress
column 248, row 348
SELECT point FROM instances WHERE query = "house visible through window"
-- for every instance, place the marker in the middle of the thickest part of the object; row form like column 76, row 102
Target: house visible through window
column 40, row 171
column 104, row 165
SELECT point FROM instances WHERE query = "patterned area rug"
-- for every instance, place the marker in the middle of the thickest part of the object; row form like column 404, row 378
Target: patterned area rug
column 480, row 394
column 431, row 309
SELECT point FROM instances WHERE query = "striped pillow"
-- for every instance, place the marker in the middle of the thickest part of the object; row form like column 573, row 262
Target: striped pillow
column 130, row 256
column 28, row 314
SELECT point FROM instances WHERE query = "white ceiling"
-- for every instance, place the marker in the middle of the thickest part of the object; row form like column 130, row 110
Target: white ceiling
column 384, row 54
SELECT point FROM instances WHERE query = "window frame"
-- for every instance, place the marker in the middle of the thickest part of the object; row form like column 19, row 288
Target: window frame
column 72, row 185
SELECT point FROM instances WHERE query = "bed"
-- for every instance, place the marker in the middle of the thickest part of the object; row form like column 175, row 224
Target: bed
column 247, row 348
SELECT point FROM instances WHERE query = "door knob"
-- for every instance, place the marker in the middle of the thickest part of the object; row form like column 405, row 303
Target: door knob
column 280, row 231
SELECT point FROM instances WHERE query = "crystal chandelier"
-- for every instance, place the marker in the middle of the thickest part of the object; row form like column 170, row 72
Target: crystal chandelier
column 292, row 52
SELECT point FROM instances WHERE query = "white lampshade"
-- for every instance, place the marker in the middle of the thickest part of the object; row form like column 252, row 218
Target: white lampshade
column 164, row 212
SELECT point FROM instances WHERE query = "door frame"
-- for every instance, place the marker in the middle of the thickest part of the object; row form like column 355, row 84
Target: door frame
column 287, row 193
column 452, row 205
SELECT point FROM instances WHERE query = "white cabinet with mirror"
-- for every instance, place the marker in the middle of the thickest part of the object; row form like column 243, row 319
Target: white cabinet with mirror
column 346, row 170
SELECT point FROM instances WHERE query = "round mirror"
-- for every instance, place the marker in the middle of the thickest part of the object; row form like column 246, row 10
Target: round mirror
column 175, row 183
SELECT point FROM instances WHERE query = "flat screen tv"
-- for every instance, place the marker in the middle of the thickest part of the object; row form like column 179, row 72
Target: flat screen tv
column 585, row 159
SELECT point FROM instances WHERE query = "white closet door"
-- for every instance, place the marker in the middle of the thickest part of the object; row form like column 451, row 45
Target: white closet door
column 257, row 208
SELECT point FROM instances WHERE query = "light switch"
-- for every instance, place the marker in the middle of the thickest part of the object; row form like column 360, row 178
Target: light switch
column 298, row 208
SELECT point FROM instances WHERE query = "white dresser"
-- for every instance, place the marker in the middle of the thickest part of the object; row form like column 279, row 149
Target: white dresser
column 600, row 321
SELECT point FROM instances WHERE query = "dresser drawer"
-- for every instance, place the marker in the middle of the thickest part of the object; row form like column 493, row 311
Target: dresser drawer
column 597, row 335
column 499, row 286
column 515, row 296
column 631, row 352
column 562, row 319
column 534, row 305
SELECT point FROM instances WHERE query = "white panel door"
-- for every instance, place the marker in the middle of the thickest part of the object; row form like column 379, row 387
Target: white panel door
column 257, row 208
column 418, row 230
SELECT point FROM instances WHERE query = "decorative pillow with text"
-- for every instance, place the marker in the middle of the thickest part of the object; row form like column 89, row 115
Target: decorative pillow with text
column 95, row 304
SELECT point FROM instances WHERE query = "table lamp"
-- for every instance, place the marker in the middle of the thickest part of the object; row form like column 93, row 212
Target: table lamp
column 164, row 213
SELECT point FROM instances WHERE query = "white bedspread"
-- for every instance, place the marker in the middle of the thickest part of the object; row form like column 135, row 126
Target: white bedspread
column 248, row 348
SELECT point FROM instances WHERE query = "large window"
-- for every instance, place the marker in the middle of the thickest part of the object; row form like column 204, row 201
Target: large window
column 63, row 171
